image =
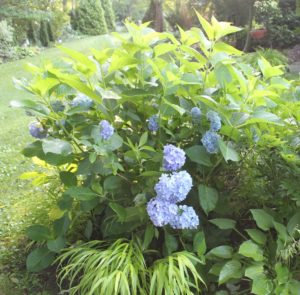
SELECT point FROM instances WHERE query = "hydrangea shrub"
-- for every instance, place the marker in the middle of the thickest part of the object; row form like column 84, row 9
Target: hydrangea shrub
column 145, row 127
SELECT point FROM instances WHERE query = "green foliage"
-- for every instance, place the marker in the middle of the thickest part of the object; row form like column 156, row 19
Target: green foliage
column 89, row 18
column 120, row 268
column 44, row 36
column 106, row 184
column 109, row 14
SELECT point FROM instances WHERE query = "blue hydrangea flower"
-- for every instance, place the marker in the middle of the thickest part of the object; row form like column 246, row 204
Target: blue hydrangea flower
column 37, row 130
column 57, row 106
column 215, row 121
column 210, row 142
column 161, row 212
column 106, row 130
column 196, row 115
column 153, row 123
column 174, row 158
column 186, row 218
column 174, row 188
column 82, row 100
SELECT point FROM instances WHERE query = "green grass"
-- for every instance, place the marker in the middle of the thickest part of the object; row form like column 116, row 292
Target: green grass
column 20, row 203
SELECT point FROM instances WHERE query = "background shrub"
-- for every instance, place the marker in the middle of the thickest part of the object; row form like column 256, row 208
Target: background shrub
column 89, row 18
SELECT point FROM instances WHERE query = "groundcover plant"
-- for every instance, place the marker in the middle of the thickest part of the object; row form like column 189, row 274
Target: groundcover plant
column 177, row 167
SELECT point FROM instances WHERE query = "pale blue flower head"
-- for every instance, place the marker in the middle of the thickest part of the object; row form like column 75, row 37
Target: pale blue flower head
column 174, row 188
column 82, row 100
column 37, row 130
column 215, row 121
column 153, row 124
column 161, row 212
column 186, row 218
column 196, row 115
column 174, row 158
column 106, row 130
column 210, row 142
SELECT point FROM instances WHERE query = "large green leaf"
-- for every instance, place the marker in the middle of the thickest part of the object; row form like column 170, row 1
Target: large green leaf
column 198, row 154
column 263, row 220
column 38, row 233
column 57, row 244
column 57, row 146
column 223, row 223
column 251, row 250
column 228, row 151
column 199, row 244
column 231, row 270
column 257, row 236
column 29, row 104
column 224, row 252
column 39, row 259
column 119, row 210
column 171, row 244
column 208, row 198
column 81, row 193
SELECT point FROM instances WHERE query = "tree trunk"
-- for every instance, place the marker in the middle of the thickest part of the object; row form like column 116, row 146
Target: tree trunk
column 154, row 14
column 250, row 25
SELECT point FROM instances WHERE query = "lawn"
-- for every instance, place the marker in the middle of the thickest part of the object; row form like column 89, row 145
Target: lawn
column 16, row 195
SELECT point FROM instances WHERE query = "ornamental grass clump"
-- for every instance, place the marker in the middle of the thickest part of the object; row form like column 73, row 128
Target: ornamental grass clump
column 148, row 145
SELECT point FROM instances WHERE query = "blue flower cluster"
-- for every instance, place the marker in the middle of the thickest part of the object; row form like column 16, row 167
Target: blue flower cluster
column 37, row 130
column 210, row 142
column 186, row 217
column 161, row 212
column 106, row 130
column 196, row 115
column 174, row 158
column 82, row 100
column 170, row 190
column 175, row 187
column 215, row 121
column 153, row 123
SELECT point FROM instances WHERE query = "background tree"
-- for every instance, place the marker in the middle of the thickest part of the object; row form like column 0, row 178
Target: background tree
column 154, row 14
column 109, row 14
column 88, row 18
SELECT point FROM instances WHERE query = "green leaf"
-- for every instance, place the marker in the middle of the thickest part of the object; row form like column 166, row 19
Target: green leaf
column 199, row 244
column 56, row 245
column 228, row 151
column 223, row 74
column 57, row 146
column 263, row 220
column 177, row 108
column 257, row 236
column 171, row 244
column 81, row 193
column 161, row 49
column 282, row 231
column 119, row 210
column 30, row 105
column 143, row 139
column 293, row 223
column 263, row 117
column 68, row 178
column 88, row 229
column 38, row 233
column 223, row 223
column 207, row 27
column 149, row 235
column 224, row 252
column 112, row 183
column 251, row 250
column 262, row 286
column 231, row 270
column 256, row 269
column 198, row 155
column 282, row 273
column 61, row 225
column 39, row 259
column 268, row 70
column 208, row 198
